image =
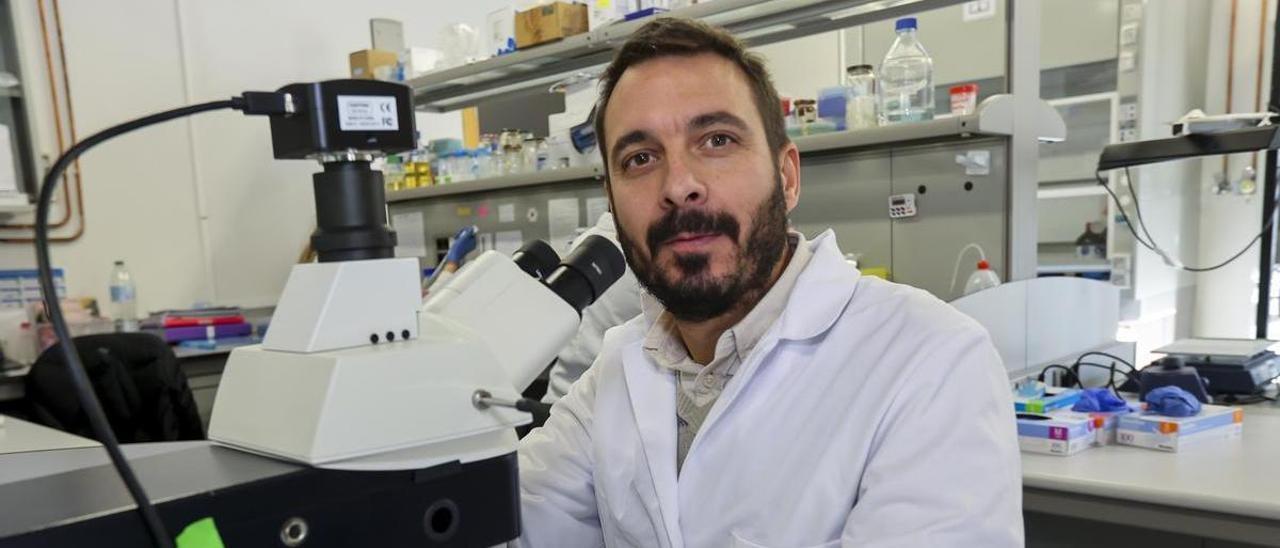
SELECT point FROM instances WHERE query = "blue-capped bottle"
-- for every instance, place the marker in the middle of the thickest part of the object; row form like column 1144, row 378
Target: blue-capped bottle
column 906, row 78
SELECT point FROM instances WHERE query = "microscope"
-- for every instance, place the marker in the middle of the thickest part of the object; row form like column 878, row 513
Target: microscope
column 366, row 417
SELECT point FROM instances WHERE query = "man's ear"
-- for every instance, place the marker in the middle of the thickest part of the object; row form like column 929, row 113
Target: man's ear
column 789, row 172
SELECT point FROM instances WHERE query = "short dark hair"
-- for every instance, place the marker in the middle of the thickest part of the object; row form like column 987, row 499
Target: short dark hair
column 673, row 36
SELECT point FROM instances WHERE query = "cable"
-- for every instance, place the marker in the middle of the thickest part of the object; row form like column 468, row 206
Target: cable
column 1111, row 382
column 955, row 273
column 1107, row 355
column 1072, row 374
column 1154, row 248
column 1137, row 208
column 80, row 381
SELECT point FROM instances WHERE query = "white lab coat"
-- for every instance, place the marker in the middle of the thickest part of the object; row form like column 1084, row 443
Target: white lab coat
column 871, row 414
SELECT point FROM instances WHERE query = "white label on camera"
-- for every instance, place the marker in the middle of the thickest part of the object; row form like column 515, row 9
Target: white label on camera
column 367, row 113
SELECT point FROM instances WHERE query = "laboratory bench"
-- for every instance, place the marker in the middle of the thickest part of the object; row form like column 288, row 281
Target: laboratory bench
column 1216, row 495
column 203, row 367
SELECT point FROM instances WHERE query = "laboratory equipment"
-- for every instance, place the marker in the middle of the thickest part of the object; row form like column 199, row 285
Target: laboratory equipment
column 906, row 78
column 982, row 278
column 1171, row 371
column 860, row 112
column 1228, row 366
column 362, row 414
column 124, row 295
column 902, row 206
column 964, row 99
column 806, row 111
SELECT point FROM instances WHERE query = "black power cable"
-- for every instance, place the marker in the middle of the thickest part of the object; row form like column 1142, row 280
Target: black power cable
column 83, row 387
column 1150, row 243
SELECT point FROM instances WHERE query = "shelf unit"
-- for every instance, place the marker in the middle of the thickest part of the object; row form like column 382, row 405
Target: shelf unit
column 1022, row 119
column 756, row 22
column 993, row 118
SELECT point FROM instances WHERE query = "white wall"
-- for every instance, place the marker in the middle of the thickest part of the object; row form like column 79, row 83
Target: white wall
column 198, row 208
column 1228, row 222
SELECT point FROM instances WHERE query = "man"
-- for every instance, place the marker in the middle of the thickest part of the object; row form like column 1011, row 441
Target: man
column 767, row 395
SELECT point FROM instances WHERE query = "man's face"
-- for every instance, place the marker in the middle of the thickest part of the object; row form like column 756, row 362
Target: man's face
column 699, row 199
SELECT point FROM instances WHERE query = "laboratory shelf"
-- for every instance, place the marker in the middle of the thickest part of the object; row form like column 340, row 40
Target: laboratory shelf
column 499, row 183
column 11, row 92
column 1050, row 191
column 756, row 22
column 993, row 118
column 1056, row 262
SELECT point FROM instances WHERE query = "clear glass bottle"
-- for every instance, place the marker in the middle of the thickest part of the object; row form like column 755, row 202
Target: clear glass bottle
column 906, row 78
column 860, row 109
column 543, row 153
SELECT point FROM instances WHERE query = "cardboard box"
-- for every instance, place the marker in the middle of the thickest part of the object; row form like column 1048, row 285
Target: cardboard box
column 550, row 23
column 370, row 64
column 1172, row 434
column 1106, row 424
column 1064, row 433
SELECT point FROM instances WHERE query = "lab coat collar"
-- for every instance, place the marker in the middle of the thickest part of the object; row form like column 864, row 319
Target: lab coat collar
column 822, row 292
column 827, row 284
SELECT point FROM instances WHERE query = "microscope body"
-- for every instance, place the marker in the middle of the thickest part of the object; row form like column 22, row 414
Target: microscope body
column 329, row 387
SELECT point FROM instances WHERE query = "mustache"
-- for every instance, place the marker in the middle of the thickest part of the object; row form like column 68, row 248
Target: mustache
column 692, row 220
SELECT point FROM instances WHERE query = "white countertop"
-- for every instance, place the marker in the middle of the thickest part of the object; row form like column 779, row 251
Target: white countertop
column 19, row 436
column 1238, row 476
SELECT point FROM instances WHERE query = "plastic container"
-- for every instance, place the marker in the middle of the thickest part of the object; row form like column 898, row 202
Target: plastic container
column 860, row 110
column 393, row 173
column 964, row 99
column 906, row 78
column 124, row 305
column 982, row 278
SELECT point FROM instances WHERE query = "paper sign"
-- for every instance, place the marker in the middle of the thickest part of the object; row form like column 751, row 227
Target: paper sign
column 978, row 10
column 562, row 222
column 507, row 213
column 410, row 234
column 508, row 241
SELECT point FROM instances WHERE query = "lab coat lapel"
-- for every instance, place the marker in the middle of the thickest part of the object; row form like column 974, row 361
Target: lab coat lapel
column 652, row 392
column 820, row 296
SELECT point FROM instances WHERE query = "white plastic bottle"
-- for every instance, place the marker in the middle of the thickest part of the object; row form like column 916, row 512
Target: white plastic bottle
column 982, row 278
column 906, row 78
column 124, row 304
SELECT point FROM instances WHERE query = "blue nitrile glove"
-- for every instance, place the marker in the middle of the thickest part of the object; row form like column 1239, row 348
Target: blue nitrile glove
column 464, row 242
column 1172, row 401
column 1098, row 400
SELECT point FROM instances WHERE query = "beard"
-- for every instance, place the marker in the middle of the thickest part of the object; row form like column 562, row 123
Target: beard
column 697, row 295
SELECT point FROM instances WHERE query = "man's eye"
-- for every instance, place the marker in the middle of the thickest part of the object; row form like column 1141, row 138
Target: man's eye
column 719, row 140
column 639, row 159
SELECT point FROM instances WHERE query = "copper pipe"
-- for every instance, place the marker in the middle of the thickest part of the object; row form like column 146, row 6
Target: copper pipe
column 57, row 117
column 1262, row 52
column 1231, row 72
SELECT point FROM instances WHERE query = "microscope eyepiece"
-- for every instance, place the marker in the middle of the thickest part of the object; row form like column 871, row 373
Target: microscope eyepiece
column 587, row 272
column 536, row 258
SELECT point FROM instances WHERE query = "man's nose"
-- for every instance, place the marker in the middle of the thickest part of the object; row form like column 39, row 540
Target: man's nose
column 682, row 187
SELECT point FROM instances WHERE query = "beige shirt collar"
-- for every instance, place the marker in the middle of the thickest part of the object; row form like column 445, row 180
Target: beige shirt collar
column 663, row 344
